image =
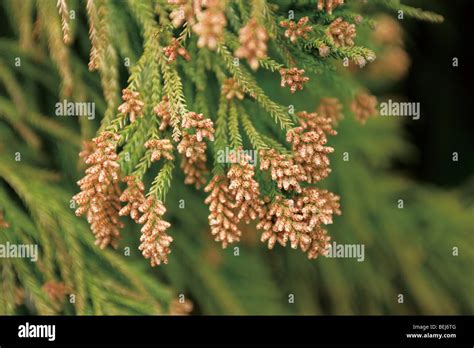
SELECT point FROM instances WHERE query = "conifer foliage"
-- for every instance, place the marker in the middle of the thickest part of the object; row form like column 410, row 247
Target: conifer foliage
column 219, row 34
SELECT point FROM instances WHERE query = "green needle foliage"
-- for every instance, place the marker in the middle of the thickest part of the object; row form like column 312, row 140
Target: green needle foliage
column 416, row 260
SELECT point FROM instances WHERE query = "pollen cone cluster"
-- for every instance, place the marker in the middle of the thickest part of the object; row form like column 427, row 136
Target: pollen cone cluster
column 210, row 26
column 253, row 43
column 299, row 221
column 160, row 148
column 293, row 78
column 330, row 108
column 231, row 89
column 329, row 5
column 283, row 170
column 308, row 144
column 133, row 196
column 342, row 32
column 297, row 218
column 324, row 50
column 193, row 148
column 155, row 242
column 131, row 105
column 222, row 218
column 203, row 127
column 245, row 189
column 174, row 50
column 295, row 30
column 184, row 12
column 88, row 148
column 315, row 121
column 162, row 110
column 99, row 196
column 287, row 208
column 147, row 211
column 364, row 106
column 193, row 162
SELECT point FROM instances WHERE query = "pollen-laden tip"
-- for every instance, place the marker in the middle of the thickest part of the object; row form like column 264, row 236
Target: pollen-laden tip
column 100, row 192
